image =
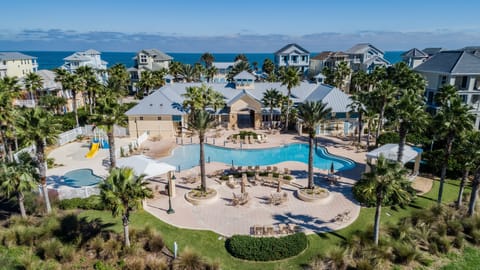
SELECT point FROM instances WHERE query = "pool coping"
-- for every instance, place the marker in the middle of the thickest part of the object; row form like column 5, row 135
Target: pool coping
column 62, row 185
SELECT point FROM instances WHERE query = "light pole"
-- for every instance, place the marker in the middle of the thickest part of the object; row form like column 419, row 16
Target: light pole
column 170, row 209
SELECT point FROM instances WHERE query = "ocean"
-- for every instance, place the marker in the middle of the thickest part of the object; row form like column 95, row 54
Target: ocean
column 51, row 59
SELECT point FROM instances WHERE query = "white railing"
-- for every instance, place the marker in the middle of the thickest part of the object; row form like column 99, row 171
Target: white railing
column 132, row 145
column 69, row 136
column 25, row 103
column 81, row 192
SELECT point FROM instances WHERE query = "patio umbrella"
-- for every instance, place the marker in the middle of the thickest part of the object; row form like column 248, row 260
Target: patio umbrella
column 332, row 169
column 144, row 165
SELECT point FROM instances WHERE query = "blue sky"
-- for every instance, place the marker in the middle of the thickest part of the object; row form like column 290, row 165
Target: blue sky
column 236, row 26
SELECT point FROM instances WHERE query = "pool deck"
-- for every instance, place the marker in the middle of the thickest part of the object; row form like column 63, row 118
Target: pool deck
column 223, row 218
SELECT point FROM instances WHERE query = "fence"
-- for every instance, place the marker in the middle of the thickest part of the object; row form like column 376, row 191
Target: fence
column 71, row 135
column 82, row 192
column 132, row 145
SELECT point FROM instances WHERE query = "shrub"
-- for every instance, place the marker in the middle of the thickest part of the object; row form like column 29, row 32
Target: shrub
column 134, row 263
column 50, row 163
column 50, row 249
column 189, row 259
column 266, row 248
column 154, row 263
column 224, row 177
column 91, row 203
column 287, row 177
column 454, row 227
column 155, row 244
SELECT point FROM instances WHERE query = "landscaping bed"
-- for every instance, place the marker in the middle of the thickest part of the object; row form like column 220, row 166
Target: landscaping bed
column 316, row 194
column 198, row 197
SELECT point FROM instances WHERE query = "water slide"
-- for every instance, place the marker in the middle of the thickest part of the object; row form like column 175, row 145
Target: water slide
column 105, row 144
column 93, row 150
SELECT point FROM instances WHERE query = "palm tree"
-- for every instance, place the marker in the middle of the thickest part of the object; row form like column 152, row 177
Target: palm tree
column 386, row 182
column 17, row 178
column 70, row 82
column 175, row 68
column 123, row 192
column 383, row 95
column 271, row 98
column 201, row 121
column 268, row 66
column 311, row 114
column 290, row 77
column 118, row 80
column 451, row 121
column 357, row 105
column 208, row 59
column 360, row 81
column 9, row 91
column 210, row 73
column 52, row 103
column 239, row 67
column 198, row 70
column 33, row 82
column 467, row 154
column 90, row 83
column 342, row 71
column 146, row 82
column 110, row 113
column 241, row 57
column 38, row 127
column 201, row 97
column 188, row 72
column 409, row 113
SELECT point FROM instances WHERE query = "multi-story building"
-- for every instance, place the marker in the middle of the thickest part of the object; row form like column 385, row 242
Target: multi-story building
column 91, row 58
column 458, row 68
column 414, row 57
column 148, row 59
column 293, row 55
column 326, row 59
column 223, row 68
column 15, row 64
column 366, row 57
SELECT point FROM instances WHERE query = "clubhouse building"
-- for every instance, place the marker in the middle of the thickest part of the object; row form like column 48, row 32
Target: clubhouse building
column 161, row 113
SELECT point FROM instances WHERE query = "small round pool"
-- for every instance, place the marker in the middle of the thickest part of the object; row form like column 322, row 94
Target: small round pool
column 187, row 156
column 80, row 178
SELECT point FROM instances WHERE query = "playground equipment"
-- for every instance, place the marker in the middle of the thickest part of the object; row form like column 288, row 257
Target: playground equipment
column 99, row 141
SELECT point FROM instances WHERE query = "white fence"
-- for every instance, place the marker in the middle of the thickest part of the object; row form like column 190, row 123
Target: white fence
column 71, row 135
column 132, row 145
column 82, row 192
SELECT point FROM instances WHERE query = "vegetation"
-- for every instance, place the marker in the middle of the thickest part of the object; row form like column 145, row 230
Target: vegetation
column 93, row 202
column 271, row 99
column 122, row 192
column 244, row 134
column 290, row 77
column 311, row 114
column 266, row 248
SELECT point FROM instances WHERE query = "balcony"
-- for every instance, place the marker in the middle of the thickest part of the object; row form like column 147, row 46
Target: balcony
column 25, row 103
column 3, row 67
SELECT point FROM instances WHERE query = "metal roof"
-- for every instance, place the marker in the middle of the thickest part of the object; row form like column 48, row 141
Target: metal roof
column 167, row 99
column 223, row 65
column 157, row 54
column 91, row 51
column 244, row 75
column 7, row 56
column 390, row 151
column 361, row 48
column 414, row 53
column 284, row 48
column 451, row 62
column 48, row 78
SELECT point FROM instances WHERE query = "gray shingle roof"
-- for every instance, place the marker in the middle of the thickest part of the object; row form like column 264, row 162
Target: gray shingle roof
column 48, row 78
column 451, row 62
column 414, row 53
column 361, row 48
column 240, row 95
column 244, row 75
column 158, row 54
column 223, row 65
column 432, row 51
column 292, row 45
column 7, row 56
column 76, row 57
column 91, row 51
column 170, row 96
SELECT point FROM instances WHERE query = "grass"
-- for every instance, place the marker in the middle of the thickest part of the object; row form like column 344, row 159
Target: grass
column 469, row 260
column 209, row 244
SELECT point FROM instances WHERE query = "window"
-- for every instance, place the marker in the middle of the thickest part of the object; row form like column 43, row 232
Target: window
column 304, row 58
column 294, row 58
column 159, row 118
column 176, row 118
column 143, row 58
column 141, row 118
column 430, row 98
column 443, row 81
column 464, row 98
column 285, row 58
column 464, row 82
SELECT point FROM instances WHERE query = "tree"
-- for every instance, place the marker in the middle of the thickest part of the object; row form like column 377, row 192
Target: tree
column 241, row 57
column 70, row 82
column 208, row 59
column 123, row 192
column 200, row 121
column 357, row 105
column 467, row 154
column 360, row 82
column 383, row 96
column 118, row 80
column 109, row 114
column 329, row 74
column 290, row 77
column 52, row 103
column 175, row 68
column 311, row 114
column 198, row 70
column 33, row 82
column 188, row 73
column 210, row 73
column 410, row 115
column 268, row 66
column 16, row 179
column 146, row 82
column 38, row 127
column 89, row 82
column 201, row 97
column 239, row 67
column 9, row 91
column 453, row 118
column 386, row 182
column 342, row 71
column 271, row 98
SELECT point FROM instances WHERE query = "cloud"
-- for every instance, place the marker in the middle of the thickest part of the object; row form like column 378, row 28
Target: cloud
column 245, row 41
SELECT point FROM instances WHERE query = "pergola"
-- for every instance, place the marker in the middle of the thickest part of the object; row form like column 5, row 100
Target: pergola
column 390, row 152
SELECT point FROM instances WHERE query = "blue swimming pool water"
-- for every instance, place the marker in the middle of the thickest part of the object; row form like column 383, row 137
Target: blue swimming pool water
column 187, row 156
column 80, row 178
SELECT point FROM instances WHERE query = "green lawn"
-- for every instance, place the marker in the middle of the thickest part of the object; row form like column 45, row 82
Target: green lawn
column 212, row 247
column 470, row 260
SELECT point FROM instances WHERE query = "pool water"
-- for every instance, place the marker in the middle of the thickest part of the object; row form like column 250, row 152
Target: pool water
column 80, row 178
column 187, row 156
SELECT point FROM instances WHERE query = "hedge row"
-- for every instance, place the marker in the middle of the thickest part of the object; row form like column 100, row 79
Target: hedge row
column 266, row 248
column 91, row 203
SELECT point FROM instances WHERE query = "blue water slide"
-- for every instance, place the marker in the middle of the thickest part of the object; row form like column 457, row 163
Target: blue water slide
column 104, row 144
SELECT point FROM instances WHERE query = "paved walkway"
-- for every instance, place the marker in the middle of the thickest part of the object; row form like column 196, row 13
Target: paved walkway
column 221, row 217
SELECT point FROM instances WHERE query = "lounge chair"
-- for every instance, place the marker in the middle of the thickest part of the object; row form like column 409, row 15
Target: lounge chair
column 286, row 171
column 231, row 182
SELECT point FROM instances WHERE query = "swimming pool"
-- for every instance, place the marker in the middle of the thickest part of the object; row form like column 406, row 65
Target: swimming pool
column 79, row 178
column 187, row 156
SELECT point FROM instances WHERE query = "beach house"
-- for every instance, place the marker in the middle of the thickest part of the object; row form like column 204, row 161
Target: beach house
column 292, row 55
column 223, row 68
column 147, row 59
column 366, row 57
column 414, row 57
column 161, row 113
column 326, row 59
column 15, row 64
column 458, row 68
column 91, row 58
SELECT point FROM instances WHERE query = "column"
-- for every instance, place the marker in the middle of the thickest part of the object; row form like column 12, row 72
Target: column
column 416, row 167
column 171, row 185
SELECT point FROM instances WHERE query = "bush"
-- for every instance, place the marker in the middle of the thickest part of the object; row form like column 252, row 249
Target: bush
column 91, row 203
column 266, row 248
column 287, row 177
column 155, row 244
